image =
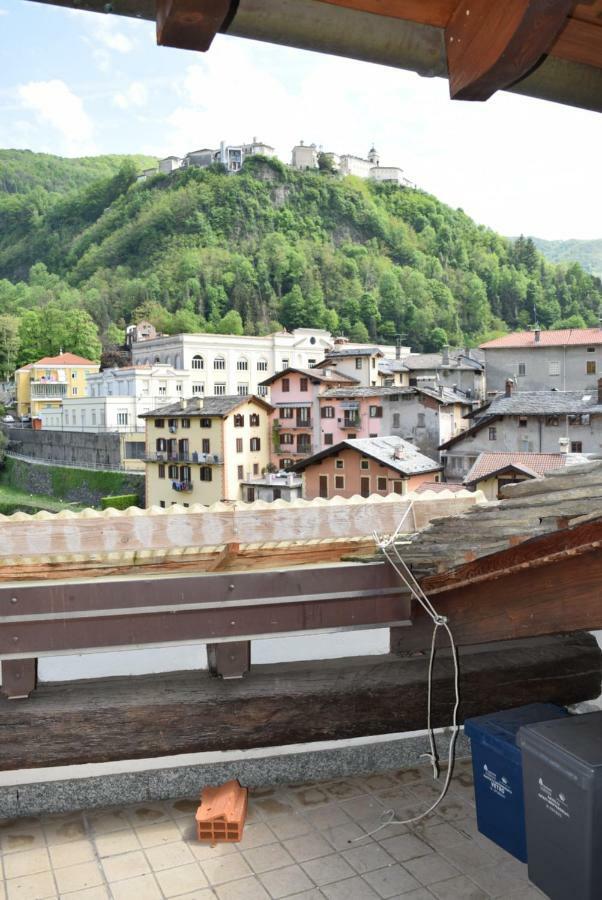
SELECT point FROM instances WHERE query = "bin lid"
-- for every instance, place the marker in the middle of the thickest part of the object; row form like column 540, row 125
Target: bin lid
column 579, row 737
column 504, row 725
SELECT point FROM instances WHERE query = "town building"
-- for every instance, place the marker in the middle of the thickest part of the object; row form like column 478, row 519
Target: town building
column 366, row 466
column 569, row 359
column 45, row 384
column 200, row 450
column 460, row 370
column 222, row 364
column 362, row 364
column 527, row 422
column 493, row 471
column 305, row 156
column 143, row 331
column 273, row 486
column 170, row 164
column 296, row 424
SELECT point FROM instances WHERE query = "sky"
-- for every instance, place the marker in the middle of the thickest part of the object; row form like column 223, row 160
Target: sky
column 76, row 83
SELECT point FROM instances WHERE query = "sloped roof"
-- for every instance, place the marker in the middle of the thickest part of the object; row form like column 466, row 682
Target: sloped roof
column 342, row 353
column 381, row 449
column 532, row 464
column 525, row 403
column 559, row 338
column 63, row 359
column 457, row 360
column 316, row 374
column 204, row 406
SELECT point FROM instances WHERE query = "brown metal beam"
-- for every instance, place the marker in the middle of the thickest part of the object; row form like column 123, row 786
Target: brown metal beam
column 191, row 24
column 493, row 45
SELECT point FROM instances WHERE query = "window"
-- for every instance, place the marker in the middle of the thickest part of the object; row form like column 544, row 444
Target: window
column 239, row 421
column 219, row 389
column 219, row 362
column 396, row 420
column 421, row 420
column 398, row 487
column 255, row 468
column 376, row 412
column 162, row 504
column 255, row 444
column 327, row 412
column 173, row 472
column 240, row 472
column 74, row 391
column 242, row 364
column 339, row 463
column 554, row 367
column 122, row 418
column 339, row 482
column 328, row 440
column 286, row 412
column 303, row 383
column 254, row 420
column 284, row 364
column 590, row 367
column 286, row 463
column 206, row 473
column 185, row 473
column 523, row 421
column 205, row 423
column 287, row 439
column 242, row 390
column 262, row 365
column 286, row 385
column 358, row 362
column 198, row 388
column 239, row 446
column 552, row 421
column 492, row 433
column 276, row 494
column 381, row 484
column 206, row 445
column 522, row 368
column 365, row 464
column 591, row 349
column 262, row 390
column 185, row 423
column 179, row 387
column 198, row 362
column 576, row 447
column 582, row 419
column 161, row 471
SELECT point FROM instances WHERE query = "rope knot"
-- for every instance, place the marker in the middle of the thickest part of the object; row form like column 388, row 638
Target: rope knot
column 439, row 620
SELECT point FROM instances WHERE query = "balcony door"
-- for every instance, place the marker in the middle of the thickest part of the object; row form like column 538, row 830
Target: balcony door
column 323, row 481
column 365, row 486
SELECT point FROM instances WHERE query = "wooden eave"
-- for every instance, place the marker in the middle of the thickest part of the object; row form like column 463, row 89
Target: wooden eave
column 549, row 51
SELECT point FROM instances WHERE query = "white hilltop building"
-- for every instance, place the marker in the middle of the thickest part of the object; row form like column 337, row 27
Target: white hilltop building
column 232, row 156
column 305, row 156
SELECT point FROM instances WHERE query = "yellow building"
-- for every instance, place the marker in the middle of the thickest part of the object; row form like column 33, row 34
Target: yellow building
column 43, row 385
column 200, row 450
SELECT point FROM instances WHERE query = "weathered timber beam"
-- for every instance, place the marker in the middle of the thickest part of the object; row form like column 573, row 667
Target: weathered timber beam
column 493, row 45
column 191, row 24
column 55, row 617
column 560, row 596
column 124, row 718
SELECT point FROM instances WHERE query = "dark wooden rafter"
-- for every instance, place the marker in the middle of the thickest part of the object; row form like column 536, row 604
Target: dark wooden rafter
column 547, row 585
column 192, row 24
column 493, row 45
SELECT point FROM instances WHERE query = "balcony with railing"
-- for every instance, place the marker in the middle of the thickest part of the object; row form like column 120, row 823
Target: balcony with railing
column 183, row 486
column 298, row 424
column 351, row 422
column 174, row 456
column 48, row 390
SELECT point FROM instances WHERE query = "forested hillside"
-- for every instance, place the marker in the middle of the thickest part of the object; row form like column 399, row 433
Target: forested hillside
column 587, row 253
column 270, row 247
column 22, row 171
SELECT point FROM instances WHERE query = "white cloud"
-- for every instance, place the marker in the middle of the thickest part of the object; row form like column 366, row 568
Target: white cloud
column 55, row 104
column 135, row 95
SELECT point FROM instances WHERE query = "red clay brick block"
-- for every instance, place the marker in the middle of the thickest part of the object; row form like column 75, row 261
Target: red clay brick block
column 221, row 816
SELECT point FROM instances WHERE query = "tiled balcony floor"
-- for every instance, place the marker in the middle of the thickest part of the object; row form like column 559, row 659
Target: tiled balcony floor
column 296, row 845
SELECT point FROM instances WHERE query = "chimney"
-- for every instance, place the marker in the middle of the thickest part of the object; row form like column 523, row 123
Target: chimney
column 537, row 335
column 445, row 356
column 509, row 387
column 600, row 390
column 398, row 452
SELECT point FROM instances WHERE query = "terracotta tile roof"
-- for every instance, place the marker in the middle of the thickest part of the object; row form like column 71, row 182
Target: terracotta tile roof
column 64, row 359
column 534, row 464
column 569, row 336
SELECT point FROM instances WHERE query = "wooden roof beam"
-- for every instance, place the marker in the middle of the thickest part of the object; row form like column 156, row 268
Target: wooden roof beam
column 192, row 24
column 491, row 46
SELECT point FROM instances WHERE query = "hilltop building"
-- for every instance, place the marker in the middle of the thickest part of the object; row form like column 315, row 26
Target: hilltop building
column 383, row 465
column 200, row 450
column 569, row 359
column 232, row 156
column 43, row 385
column 305, row 156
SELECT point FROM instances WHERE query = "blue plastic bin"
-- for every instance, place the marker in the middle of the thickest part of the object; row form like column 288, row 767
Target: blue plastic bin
column 498, row 776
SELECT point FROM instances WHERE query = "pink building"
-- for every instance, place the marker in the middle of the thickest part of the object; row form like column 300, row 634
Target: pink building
column 366, row 466
column 296, row 419
column 349, row 413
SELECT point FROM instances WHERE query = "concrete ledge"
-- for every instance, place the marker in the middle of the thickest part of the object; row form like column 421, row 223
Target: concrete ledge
column 71, row 788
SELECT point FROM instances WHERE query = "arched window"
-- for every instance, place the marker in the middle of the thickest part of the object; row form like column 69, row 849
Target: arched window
column 219, row 362
column 242, row 364
column 262, row 365
column 157, row 359
column 198, row 362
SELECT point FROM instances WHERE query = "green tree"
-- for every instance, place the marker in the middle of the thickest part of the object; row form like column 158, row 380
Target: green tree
column 231, row 323
column 9, row 345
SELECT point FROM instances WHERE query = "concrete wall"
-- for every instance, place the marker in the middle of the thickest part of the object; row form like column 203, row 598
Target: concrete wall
column 73, row 448
column 569, row 362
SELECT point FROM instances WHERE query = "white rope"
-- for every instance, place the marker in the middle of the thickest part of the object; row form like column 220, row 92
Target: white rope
column 401, row 568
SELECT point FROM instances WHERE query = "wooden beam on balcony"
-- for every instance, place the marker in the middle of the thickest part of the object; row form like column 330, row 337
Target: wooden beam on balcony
column 191, row 24
column 493, row 45
column 287, row 703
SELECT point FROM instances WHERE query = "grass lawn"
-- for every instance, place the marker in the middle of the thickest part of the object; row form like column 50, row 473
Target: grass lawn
column 13, row 500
